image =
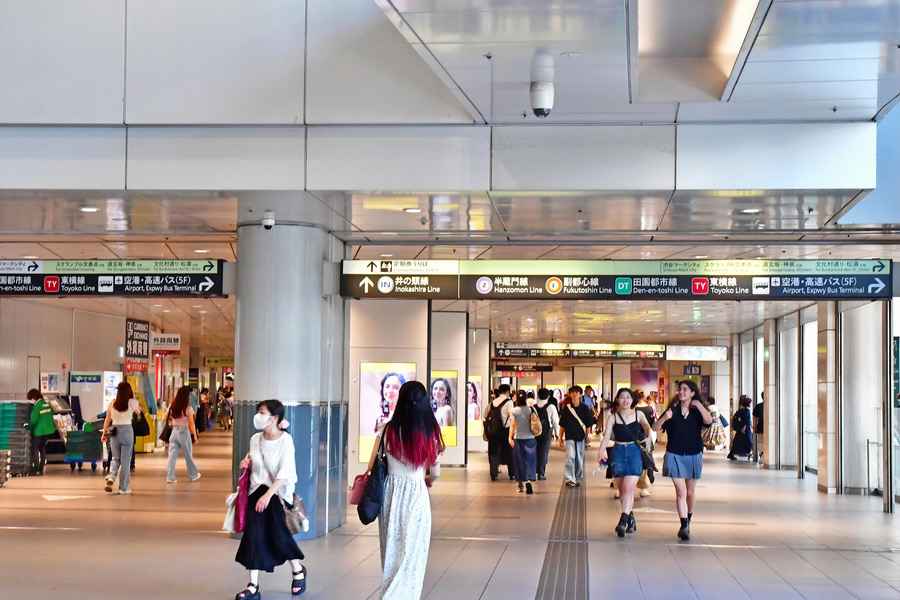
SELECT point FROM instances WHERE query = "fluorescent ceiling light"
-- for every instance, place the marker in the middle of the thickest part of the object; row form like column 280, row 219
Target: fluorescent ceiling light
column 412, row 211
column 89, row 209
column 386, row 255
column 202, row 251
column 751, row 211
column 29, row 257
column 701, row 256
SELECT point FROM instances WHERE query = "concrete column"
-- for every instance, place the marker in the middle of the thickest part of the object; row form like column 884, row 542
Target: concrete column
column 769, row 448
column 290, row 345
column 828, row 414
column 735, row 373
column 720, row 382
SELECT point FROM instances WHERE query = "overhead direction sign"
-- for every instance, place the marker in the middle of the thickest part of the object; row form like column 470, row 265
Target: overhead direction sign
column 619, row 280
column 578, row 351
column 415, row 279
column 168, row 278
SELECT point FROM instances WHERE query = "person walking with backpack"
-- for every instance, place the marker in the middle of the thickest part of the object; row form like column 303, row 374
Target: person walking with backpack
column 549, row 424
column 522, row 441
column 575, row 423
column 496, row 432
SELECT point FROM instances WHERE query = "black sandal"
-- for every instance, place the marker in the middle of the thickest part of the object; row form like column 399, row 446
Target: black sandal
column 298, row 585
column 247, row 594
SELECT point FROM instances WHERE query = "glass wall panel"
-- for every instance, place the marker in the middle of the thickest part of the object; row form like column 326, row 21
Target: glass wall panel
column 811, row 396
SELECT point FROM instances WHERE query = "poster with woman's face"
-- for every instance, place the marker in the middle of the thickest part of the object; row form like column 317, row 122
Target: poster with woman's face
column 379, row 387
column 475, row 405
column 443, row 403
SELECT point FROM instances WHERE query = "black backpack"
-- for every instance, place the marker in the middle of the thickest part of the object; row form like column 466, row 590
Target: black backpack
column 545, row 420
column 493, row 424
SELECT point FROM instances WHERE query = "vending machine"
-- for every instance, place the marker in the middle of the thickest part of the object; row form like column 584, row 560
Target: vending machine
column 95, row 389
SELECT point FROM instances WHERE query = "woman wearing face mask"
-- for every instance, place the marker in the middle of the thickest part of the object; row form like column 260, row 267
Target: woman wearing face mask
column 441, row 401
column 684, row 421
column 390, row 389
column 626, row 426
column 267, row 542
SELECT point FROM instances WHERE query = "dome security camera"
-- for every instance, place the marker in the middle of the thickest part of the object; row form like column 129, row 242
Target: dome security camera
column 541, row 91
column 268, row 220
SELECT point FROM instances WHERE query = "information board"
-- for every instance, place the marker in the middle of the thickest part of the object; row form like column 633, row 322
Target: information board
column 161, row 278
column 577, row 351
column 618, row 280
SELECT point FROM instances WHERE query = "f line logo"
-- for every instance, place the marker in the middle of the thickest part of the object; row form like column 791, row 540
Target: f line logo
column 554, row 285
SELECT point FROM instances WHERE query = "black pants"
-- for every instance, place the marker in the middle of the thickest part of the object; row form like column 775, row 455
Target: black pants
column 500, row 453
column 543, row 453
column 38, row 453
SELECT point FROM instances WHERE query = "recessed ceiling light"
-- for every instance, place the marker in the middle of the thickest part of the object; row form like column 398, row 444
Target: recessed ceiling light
column 386, row 255
column 166, row 310
column 201, row 251
column 89, row 209
column 29, row 257
column 412, row 211
column 751, row 211
column 195, row 306
column 202, row 312
column 701, row 256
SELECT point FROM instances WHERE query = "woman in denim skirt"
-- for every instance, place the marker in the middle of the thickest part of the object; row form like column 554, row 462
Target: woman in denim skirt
column 626, row 426
column 683, row 423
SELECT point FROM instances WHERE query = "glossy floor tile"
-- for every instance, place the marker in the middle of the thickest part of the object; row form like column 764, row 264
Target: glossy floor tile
column 755, row 534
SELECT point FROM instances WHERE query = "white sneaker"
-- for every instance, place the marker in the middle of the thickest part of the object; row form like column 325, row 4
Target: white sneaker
column 197, row 477
column 171, row 480
column 616, row 495
column 109, row 485
column 645, row 493
column 125, row 493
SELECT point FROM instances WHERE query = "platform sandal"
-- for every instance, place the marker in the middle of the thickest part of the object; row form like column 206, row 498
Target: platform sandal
column 250, row 593
column 298, row 585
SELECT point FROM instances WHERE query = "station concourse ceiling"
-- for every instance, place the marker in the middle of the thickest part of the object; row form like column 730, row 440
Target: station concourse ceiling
column 616, row 62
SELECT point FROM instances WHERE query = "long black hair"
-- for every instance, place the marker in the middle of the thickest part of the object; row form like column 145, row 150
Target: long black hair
column 474, row 388
column 413, row 434
column 694, row 388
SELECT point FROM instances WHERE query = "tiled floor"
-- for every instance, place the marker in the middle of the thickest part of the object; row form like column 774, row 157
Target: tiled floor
column 756, row 534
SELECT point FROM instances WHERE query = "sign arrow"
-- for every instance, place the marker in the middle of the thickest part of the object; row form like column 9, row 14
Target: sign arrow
column 878, row 285
column 366, row 284
column 372, row 266
column 32, row 267
column 207, row 285
column 879, row 267
column 209, row 266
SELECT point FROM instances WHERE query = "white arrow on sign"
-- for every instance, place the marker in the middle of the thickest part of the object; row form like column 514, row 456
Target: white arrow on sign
column 207, row 285
column 366, row 284
column 878, row 286
column 58, row 498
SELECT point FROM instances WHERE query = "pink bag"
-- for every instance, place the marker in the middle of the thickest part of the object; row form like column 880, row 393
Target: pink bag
column 240, row 505
column 359, row 487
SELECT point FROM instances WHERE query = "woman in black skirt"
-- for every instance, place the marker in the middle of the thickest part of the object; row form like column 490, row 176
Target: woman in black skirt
column 267, row 542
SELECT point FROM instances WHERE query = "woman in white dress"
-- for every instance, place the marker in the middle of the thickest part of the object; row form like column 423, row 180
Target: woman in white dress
column 413, row 444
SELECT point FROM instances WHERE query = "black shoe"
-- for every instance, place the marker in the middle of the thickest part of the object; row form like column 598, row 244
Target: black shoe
column 731, row 457
column 250, row 593
column 512, row 478
column 685, row 532
column 298, row 585
column 632, row 524
column 622, row 526
column 493, row 478
column 528, row 489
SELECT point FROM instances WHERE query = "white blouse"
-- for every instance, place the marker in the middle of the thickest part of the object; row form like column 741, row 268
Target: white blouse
column 280, row 460
column 120, row 419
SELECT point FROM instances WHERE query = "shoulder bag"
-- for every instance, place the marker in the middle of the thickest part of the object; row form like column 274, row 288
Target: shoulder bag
column 369, row 506
column 295, row 515
column 536, row 426
column 577, row 418
column 166, row 432
column 236, row 514
column 646, row 457
column 140, row 425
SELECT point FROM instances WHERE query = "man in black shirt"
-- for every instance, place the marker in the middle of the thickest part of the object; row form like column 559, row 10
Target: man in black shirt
column 575, row 421
column 759, row 418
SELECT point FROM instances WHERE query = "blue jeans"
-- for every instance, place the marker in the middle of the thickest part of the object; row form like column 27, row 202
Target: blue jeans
column 122, row 446
column 574, row 461
column 181, row 439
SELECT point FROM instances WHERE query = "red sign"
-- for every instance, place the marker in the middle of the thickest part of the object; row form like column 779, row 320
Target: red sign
column 227, row 370
column 136, row 366
column 51, row 284
column 700, row 285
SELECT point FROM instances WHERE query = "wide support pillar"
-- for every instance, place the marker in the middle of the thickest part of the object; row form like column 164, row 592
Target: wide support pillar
column 290, row 345
column 829, row 456
column 771, row 406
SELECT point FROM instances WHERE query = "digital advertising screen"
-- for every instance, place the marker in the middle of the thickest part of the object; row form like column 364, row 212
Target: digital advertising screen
column 444, row 385
column 379, row 387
